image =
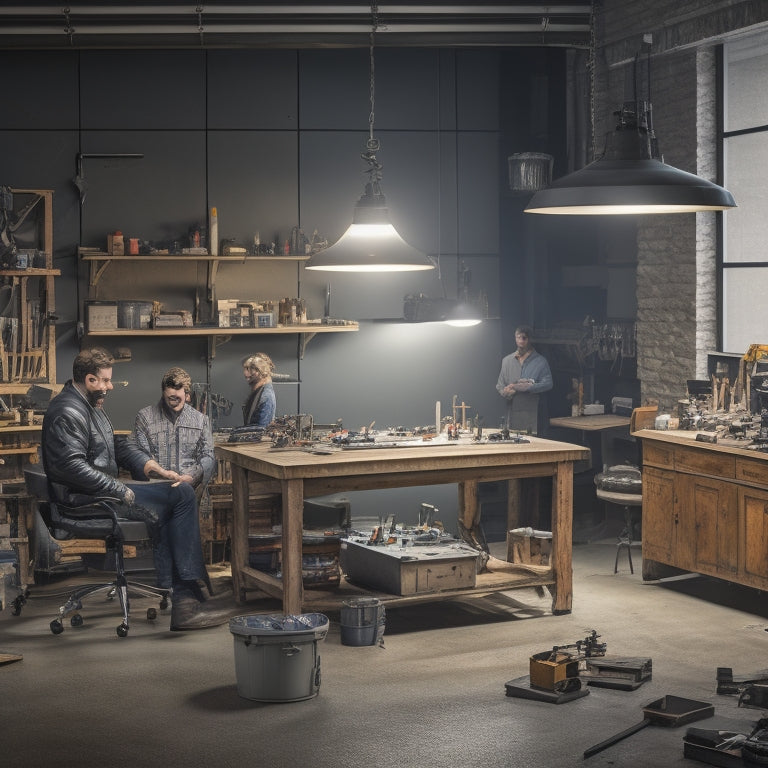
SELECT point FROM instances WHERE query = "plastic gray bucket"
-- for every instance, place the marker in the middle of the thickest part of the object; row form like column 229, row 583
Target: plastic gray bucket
column 276, row 656
column 362, row 621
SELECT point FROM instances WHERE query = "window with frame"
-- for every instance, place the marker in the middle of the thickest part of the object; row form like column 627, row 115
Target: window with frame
column 745, row 163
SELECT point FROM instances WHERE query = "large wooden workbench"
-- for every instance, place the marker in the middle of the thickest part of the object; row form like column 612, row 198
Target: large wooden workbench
column 705, row 508
column 299, row 474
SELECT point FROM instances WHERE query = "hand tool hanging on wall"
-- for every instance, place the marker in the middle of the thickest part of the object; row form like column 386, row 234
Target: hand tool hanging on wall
column 79, row 179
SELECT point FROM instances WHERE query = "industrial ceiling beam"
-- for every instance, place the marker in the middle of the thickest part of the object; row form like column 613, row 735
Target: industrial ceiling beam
column 85, row 25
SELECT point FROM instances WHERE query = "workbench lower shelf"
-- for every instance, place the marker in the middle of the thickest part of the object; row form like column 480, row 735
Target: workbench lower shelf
column 504, row 576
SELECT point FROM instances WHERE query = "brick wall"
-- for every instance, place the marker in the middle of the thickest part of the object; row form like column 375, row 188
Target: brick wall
column 706, row 223
column 676, row 272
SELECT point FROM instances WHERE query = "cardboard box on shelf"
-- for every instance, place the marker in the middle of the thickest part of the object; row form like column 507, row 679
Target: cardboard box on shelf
column 116, row 244
column 101, row 315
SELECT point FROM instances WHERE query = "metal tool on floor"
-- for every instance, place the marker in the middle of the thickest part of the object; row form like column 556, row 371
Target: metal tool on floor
column 728, row 684
column 625, row 674
column 669, row 711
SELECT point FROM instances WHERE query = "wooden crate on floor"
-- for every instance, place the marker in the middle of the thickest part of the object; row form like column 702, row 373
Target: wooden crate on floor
column 526, row 547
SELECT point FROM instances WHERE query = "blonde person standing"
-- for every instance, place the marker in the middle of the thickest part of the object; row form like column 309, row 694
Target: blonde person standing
column 259, row 408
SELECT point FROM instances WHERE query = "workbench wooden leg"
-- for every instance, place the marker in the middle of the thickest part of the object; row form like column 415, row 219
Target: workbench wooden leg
column 513, row 504
column 562, row 537
column 469, row 517
column 293, row 522
column 240, row 513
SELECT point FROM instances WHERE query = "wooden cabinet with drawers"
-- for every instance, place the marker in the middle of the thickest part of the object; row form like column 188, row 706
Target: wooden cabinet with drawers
column 705, row 509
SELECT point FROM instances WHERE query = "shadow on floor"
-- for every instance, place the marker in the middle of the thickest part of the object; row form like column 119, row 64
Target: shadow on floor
column 492, row 609
column 719, row 592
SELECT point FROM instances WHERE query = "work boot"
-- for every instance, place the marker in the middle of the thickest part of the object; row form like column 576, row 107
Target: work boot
column 187, row 612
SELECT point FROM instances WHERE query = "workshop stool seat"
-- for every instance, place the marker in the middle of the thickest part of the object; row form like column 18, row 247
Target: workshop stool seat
column 622, row 485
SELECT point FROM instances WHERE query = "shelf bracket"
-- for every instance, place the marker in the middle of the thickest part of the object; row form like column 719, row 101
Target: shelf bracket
column 304, row 339
column 97, row 270
column 213, row 342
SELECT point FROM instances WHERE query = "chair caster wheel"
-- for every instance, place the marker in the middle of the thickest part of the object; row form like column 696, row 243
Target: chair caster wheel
column 76, row 620
column 56, row 627
column 19, row 602
column 164, row 604
column 122, row 630
column 151, row 614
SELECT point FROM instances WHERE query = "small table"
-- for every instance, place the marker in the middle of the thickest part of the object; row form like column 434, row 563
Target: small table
column 607, row 425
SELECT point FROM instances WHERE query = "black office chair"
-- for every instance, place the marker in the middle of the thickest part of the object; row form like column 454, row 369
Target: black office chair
column 99, row 519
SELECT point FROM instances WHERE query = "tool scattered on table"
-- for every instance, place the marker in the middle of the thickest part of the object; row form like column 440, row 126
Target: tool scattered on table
column 669, row 711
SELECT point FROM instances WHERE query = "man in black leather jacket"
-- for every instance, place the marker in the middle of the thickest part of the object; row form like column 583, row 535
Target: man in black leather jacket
column 81, row 459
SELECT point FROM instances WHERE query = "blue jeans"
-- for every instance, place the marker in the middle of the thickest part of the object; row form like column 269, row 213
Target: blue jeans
column 172, row 520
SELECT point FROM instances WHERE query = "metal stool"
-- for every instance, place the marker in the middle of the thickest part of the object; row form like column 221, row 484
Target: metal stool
column 622, row 485
column 626, row 539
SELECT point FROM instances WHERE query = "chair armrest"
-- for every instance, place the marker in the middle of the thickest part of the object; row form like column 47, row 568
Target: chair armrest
column 97, row 507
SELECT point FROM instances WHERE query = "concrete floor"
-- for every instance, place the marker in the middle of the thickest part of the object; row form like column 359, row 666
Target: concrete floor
column 433, row 696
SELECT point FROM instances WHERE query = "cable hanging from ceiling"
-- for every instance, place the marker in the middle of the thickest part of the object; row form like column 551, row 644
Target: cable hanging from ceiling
column 371, row 243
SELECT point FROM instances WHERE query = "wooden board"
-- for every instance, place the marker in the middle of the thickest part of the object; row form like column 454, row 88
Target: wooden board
column 592, row 423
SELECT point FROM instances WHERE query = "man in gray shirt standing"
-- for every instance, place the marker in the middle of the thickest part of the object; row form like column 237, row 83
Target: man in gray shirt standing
column 524, row 376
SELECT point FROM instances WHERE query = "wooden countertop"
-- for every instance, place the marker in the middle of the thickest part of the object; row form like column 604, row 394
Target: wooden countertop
column 688, row 438
column 285, row 465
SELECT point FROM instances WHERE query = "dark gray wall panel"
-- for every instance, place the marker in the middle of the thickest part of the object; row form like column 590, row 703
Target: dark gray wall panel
column 34, row 159
column 156, row 198
column 447, row 191
column 407, row 89
column 252, row 89
column 252, row 182
column 335, row 93
column 411, row 183
column 333, row 89
column 477, row 84
column 331, row 180
column 42, row 92
column 448, row 87
column 143, row 89
column 479, row 192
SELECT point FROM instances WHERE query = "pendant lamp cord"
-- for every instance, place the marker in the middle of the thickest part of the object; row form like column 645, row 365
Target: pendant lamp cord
column 372, row 145
column 592, row 65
